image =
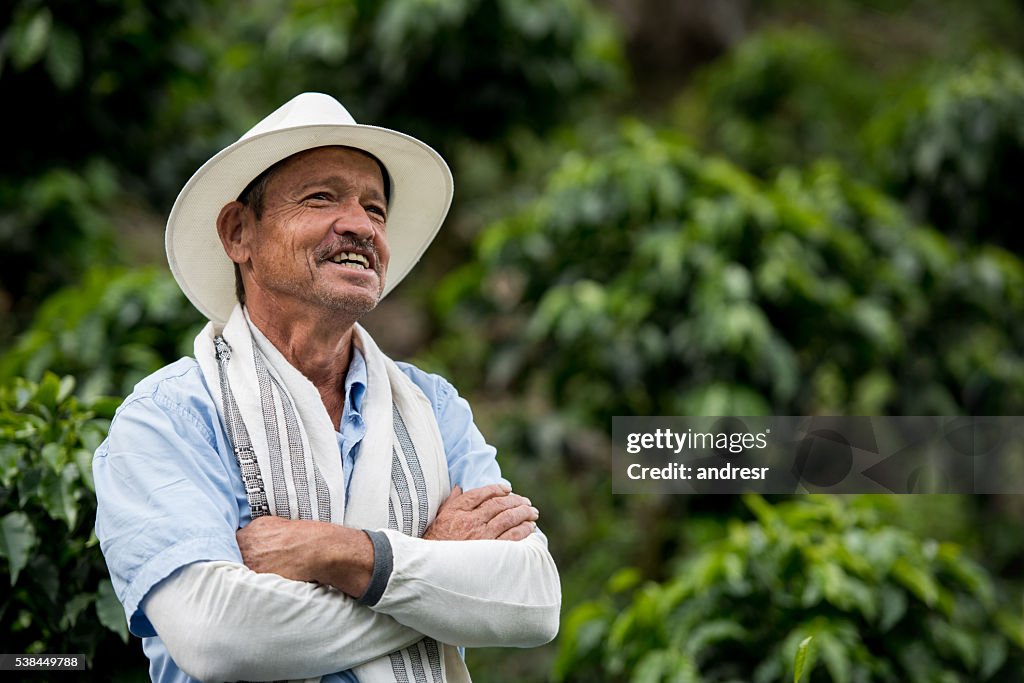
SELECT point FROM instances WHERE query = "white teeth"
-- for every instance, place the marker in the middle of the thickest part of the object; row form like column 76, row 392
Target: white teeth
column 352, row 260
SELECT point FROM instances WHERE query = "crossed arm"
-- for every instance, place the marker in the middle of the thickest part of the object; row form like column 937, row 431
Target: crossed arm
column 343, row 557
column 480, row 576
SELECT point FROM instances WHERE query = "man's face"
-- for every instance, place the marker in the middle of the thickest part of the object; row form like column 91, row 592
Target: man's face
column 320, row 241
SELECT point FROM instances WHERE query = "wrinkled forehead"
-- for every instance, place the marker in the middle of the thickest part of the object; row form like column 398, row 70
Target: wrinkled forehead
column 298, row 157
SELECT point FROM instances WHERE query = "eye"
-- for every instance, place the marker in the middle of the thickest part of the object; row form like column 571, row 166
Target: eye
column 378, row 210
column 318, row 197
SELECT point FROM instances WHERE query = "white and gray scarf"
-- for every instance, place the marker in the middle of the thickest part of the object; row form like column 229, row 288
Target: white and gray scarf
column 282, row 435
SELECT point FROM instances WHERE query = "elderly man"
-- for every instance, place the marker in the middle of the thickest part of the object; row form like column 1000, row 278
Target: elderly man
column 291, row 503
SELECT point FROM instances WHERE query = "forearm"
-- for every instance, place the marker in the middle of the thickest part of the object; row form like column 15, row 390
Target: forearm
column 474, row 593
column 222, row 621
column 306, row 550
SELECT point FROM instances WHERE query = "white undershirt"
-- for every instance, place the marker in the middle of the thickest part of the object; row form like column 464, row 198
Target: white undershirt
column 221, row 621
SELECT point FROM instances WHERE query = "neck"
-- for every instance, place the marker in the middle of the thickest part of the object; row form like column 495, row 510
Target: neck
column 321, row 350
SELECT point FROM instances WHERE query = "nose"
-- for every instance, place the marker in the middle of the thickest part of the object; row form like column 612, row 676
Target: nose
column 353, row 219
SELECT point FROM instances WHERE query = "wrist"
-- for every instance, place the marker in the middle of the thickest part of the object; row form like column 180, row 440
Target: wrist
column 347, row 561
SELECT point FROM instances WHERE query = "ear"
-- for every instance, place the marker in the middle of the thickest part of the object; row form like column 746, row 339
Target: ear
column 233, row 224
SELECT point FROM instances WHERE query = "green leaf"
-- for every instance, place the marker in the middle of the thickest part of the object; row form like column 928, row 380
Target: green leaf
column 53, row 455
column 893, row 602
column 954, row 640
column 17, row 541
column 624, row 580
column 652, row 668
column 71, row 491
column 64, row 61
column 29, row 39
column 836, row 658
column 109, row 610
column 1012, row 626
column 105, row 406
column 917, row 581
column 83, row 458
column 48, row 390
column 710, row 633
column 801, row 658
column 766, row 514
column 22, row 395
column 74, row 607
column 67, row 385
column 44, row 575
column 665, row 665
column 993, row 654
column 10, row 456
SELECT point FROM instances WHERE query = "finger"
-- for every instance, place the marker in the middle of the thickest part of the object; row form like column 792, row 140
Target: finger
column 473, row 497
column 510, row 518
column 519, row 532
column 494, row 506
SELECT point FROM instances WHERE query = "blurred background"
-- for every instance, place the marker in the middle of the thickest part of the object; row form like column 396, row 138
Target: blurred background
column 689, row 207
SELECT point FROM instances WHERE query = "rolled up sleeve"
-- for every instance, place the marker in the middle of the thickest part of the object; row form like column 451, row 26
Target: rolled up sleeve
column 165, row 498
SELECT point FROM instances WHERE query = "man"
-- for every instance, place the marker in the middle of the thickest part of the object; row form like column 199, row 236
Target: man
column 291, row 503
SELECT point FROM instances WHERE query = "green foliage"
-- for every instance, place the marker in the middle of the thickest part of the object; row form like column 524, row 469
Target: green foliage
column 954, row 148
column 51, row 228
column 110, row 331
column 438, row 70
column 783, row 97
column 894, row 35
column 649, row 280
column 880, row 604
column 153, row 90
column 88, row 80
column 84, row 84
column 645, row 279
column 58, row 585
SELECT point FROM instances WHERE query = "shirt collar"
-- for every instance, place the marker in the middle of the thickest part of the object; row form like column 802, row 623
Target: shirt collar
column 355, row 382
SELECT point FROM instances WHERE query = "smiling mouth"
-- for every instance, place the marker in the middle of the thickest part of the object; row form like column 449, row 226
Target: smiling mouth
column 350, row 259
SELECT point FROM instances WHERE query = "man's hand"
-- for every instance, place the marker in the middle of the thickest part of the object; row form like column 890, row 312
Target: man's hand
column 488, row 512
column 304, row 550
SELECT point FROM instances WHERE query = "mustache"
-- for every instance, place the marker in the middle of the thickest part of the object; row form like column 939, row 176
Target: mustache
column 346, row 243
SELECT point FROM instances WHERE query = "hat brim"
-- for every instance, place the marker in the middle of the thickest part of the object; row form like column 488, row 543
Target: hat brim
column 421, row 194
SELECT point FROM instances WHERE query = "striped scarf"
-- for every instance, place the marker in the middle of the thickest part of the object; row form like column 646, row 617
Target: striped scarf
column 280, row 431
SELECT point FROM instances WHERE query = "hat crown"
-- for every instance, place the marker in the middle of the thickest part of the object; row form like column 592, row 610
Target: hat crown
column 307, row 109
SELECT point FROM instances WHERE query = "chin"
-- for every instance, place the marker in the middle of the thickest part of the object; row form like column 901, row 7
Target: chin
column 350, row 305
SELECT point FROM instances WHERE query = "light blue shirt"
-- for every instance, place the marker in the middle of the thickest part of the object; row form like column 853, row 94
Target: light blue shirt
column 170, row 493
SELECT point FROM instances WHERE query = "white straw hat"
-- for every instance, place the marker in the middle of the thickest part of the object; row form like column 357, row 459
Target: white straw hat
column 421, row 193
